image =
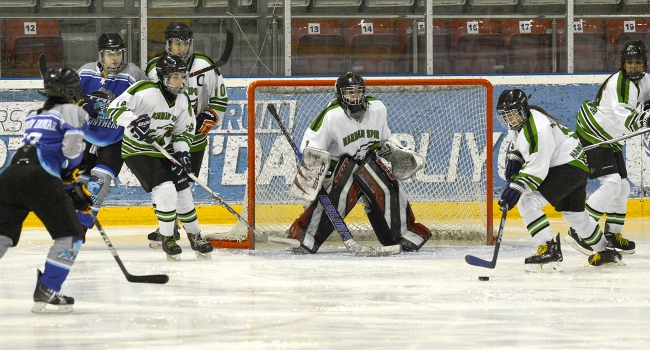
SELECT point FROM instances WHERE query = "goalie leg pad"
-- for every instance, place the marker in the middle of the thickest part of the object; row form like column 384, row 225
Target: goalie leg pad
column 388, row 211
column 313, row 227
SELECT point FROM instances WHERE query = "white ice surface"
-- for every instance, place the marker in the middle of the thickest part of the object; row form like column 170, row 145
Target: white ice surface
column 267, row 299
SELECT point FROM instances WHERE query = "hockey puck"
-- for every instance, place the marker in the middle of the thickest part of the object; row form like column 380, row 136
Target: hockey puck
column 483, row 278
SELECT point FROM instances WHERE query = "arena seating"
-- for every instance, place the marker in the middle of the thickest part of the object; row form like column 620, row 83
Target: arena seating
column 17, row 3
column 328, row 3
column 620, row 31
column 441, row 47
column 477, row 46
column 27, row 39
column 372, row 46
column 590, row 46
column 317, row 48
column 528, row 46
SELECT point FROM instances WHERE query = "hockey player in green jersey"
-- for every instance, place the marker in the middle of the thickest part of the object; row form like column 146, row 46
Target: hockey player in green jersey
column 617, row 110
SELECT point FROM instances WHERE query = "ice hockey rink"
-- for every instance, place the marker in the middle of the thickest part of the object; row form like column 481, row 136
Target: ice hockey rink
column 267, row 299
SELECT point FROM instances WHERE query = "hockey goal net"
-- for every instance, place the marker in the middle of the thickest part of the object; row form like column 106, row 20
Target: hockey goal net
column 447, row 121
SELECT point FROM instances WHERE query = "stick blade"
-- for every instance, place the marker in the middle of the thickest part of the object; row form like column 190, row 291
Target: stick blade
column 472, row 260
column 365, row 251
column 153, row 279
column 230, row 39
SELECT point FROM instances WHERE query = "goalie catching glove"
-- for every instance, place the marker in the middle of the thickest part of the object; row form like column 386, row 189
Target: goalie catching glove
column 405, row 162
column 311, row 173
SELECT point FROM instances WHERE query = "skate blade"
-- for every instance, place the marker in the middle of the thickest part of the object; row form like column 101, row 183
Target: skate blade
column 203, row 256
column 45, row 308
column 570, row 241
column 626, row 252
column 551, row 267
column 155, row 244
column 176, row 257
column 297, row 251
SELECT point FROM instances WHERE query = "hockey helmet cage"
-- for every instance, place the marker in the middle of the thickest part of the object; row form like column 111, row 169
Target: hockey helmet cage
column 172, row 73
column 634, row 49
column 111, row 42
column 179, row 31
column 62, row 82
column 512, row 109
column 351, row 95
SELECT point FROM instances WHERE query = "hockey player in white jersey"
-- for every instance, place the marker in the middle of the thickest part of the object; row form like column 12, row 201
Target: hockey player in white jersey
column 208, row 98
column 354, row 130
column 101, row 81
column 161, row 112
column 617, row 110
column 546, row 164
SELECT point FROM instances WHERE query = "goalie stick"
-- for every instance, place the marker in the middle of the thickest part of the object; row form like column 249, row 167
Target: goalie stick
column 620, row 138
column 332, row 212
column 472, row 260
column 221, row 202
column 155, row 279
column 227, row 50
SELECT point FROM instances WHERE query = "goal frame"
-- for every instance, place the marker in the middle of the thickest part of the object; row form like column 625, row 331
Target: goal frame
column 388, row 81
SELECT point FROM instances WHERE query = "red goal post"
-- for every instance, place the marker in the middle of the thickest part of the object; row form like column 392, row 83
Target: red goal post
column 447, row 121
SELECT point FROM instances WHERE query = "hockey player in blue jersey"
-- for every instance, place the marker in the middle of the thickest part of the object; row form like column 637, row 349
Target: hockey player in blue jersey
column 42, row 179
column 101, row 81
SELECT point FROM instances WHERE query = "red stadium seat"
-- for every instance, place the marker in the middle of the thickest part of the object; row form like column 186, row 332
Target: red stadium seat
column 317, row 47
column 590, row 46
column 441, row 47
column 529, row 46
column 477, row 47
column 372, row 46
column 27, row 40
column 620, row 31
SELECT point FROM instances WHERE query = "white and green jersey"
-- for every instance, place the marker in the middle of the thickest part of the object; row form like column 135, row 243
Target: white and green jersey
column 333, row 131
column 172, row 123
column 544, row 144
column 615, row 111
column 207, row 92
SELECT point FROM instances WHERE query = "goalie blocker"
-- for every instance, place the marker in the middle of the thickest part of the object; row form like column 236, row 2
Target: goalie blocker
column 380, row 190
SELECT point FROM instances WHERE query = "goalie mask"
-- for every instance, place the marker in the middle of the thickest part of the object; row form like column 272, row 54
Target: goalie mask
column 179, row 40
column 351, row 95
column 172, row 73
column 634, row 50
column 112, row 52
column 512, row 109
column 62, row 83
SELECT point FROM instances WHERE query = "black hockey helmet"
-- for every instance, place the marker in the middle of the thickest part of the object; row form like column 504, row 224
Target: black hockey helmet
column 111, row 42
column 634, row 49
column 62, row 82
column 512, row 109
column 179, row 31
column 351, row 95
column 168, row 66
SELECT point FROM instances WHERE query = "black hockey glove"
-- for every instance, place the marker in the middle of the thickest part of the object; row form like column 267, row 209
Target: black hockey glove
column 184, row 158
column 511, row 194
column 514, row 162
column 81, row 197
column 87, row 107
column 204, row 122
column 69, row 176
column 140, row 127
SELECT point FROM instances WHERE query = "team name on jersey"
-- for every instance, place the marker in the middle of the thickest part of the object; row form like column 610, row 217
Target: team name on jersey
column 43, row 124
column 369, row 133
column 163, row 116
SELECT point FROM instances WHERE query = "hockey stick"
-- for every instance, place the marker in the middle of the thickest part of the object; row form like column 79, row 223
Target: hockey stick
column 620, row 138
column 156, row 279
column 42, row 65
column 472, row 260
column 332, row 212
column 227, row 50
column 221, row 202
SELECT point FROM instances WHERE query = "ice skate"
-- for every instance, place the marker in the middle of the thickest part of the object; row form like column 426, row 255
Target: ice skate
column 622, row 245
column 171, row 248
column 201, row 248
column 300, row 250
column 577, row 242
column 608, row 256
column 155, row 238
column 547, row 258
column 49, row 301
